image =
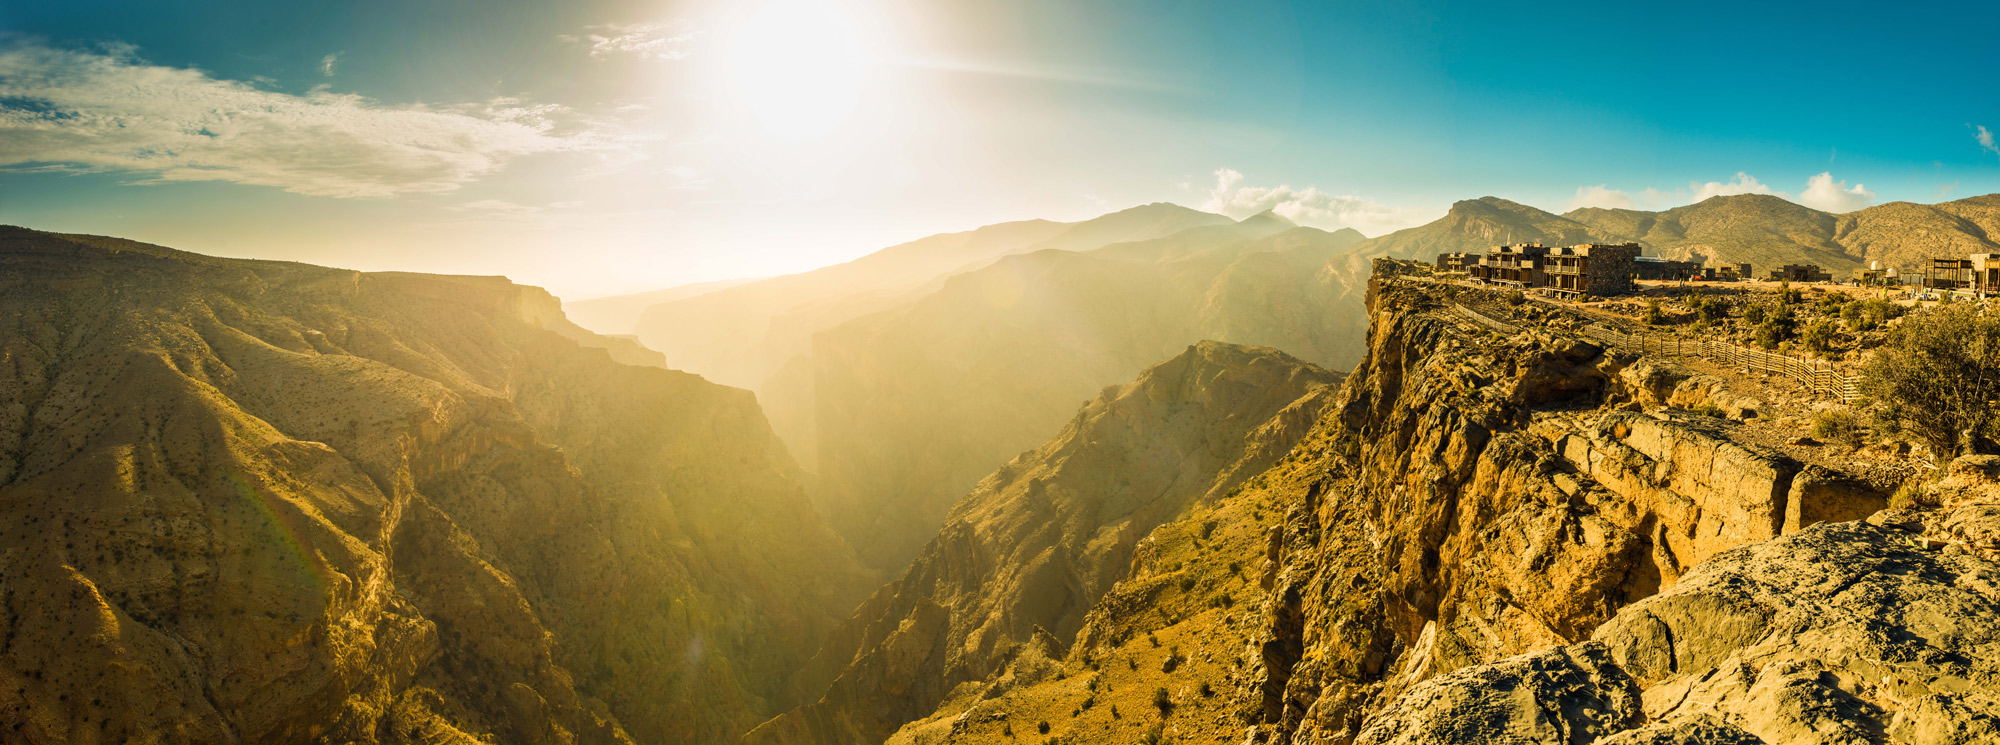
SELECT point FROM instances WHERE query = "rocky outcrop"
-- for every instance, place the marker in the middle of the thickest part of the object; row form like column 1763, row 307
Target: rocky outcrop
column 1564, row 695
column 1502, row 499
column 275, row 503
column 1842, row 633
column 1040, row 542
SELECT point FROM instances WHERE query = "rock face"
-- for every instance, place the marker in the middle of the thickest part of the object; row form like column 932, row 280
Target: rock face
column 275, row 503
column 1502, row 499
column 1842, row 633
column 1564, row 695
column 1038, row 543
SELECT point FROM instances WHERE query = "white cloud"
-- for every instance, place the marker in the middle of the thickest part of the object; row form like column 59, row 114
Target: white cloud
column 1985, row 138
column 1600, row 196
column 110, row 111
column 665, row 41
column 1308, row 207
column 1827, row 195
column 1744, row 183
column 327, row 63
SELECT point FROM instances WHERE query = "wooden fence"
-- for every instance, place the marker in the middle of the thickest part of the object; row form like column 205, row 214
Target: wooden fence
column 1818, row 376
column 1485, row 320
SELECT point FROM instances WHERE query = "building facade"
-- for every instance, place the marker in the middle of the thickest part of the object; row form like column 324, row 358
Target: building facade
column 1976, row 273
column 1593, row 269
column 1456, row 262
column 1801, row 273
column 1653, row 267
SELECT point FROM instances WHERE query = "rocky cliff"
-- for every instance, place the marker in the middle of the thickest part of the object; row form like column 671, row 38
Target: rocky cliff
column 1512, row 535
column 264, row 502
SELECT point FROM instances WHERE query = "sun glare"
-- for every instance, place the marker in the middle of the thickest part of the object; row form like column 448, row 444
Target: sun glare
column 798, row 67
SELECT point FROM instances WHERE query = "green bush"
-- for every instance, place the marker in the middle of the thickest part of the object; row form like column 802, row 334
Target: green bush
column 1754, row 313
column 1837, row 425
column 1819, row 335
column 1712, row 310
column 1939, row 375
column 1653, row 314
column 1162, row 701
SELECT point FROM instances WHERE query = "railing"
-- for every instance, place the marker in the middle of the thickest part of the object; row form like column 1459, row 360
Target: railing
column 1818, row 376
column 1485, row 320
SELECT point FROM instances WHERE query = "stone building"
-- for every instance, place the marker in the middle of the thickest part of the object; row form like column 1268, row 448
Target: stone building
column 1456, row 262
column 1654, row 267
column 1592, row 269
column 1801, row 273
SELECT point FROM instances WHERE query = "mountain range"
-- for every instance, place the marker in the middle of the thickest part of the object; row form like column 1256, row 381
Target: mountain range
column 1105, row 494
column 861, row 367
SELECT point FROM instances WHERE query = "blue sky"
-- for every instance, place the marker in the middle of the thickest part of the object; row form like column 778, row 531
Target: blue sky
column 598, row 147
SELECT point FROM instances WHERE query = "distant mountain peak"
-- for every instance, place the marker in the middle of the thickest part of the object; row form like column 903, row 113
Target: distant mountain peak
column 1268, row 217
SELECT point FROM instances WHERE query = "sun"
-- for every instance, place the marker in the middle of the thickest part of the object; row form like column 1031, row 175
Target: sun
column 798, row 67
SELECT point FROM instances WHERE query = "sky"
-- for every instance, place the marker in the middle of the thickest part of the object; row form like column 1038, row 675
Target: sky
column 606, row 146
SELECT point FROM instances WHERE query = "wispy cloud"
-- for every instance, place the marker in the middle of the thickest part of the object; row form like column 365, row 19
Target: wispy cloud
column 1309, row 206
column 107, row 110
column 1985, row 138
column 327, row 63
column 667, row 40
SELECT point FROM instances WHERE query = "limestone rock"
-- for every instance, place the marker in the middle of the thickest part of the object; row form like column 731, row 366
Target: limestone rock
column 1558, row 697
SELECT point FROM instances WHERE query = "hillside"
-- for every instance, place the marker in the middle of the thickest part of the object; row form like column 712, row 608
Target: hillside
column 1038, row 542
column 1768, row 231
column 254, row 501
column 741, row 335
column 913, row 406
column 1492, row 538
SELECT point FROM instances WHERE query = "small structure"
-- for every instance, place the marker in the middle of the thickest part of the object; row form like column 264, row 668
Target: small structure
column 1801, row 273
column 1456, row 262
column 1654, row 267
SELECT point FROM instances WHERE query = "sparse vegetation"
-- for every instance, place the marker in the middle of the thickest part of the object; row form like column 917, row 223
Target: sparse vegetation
column 1837, row 425
column 1939, row 375
column 1912, row 494
column 1163, row 701
column 1709, row 410
column 1819, row 335
column 1776, row 329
